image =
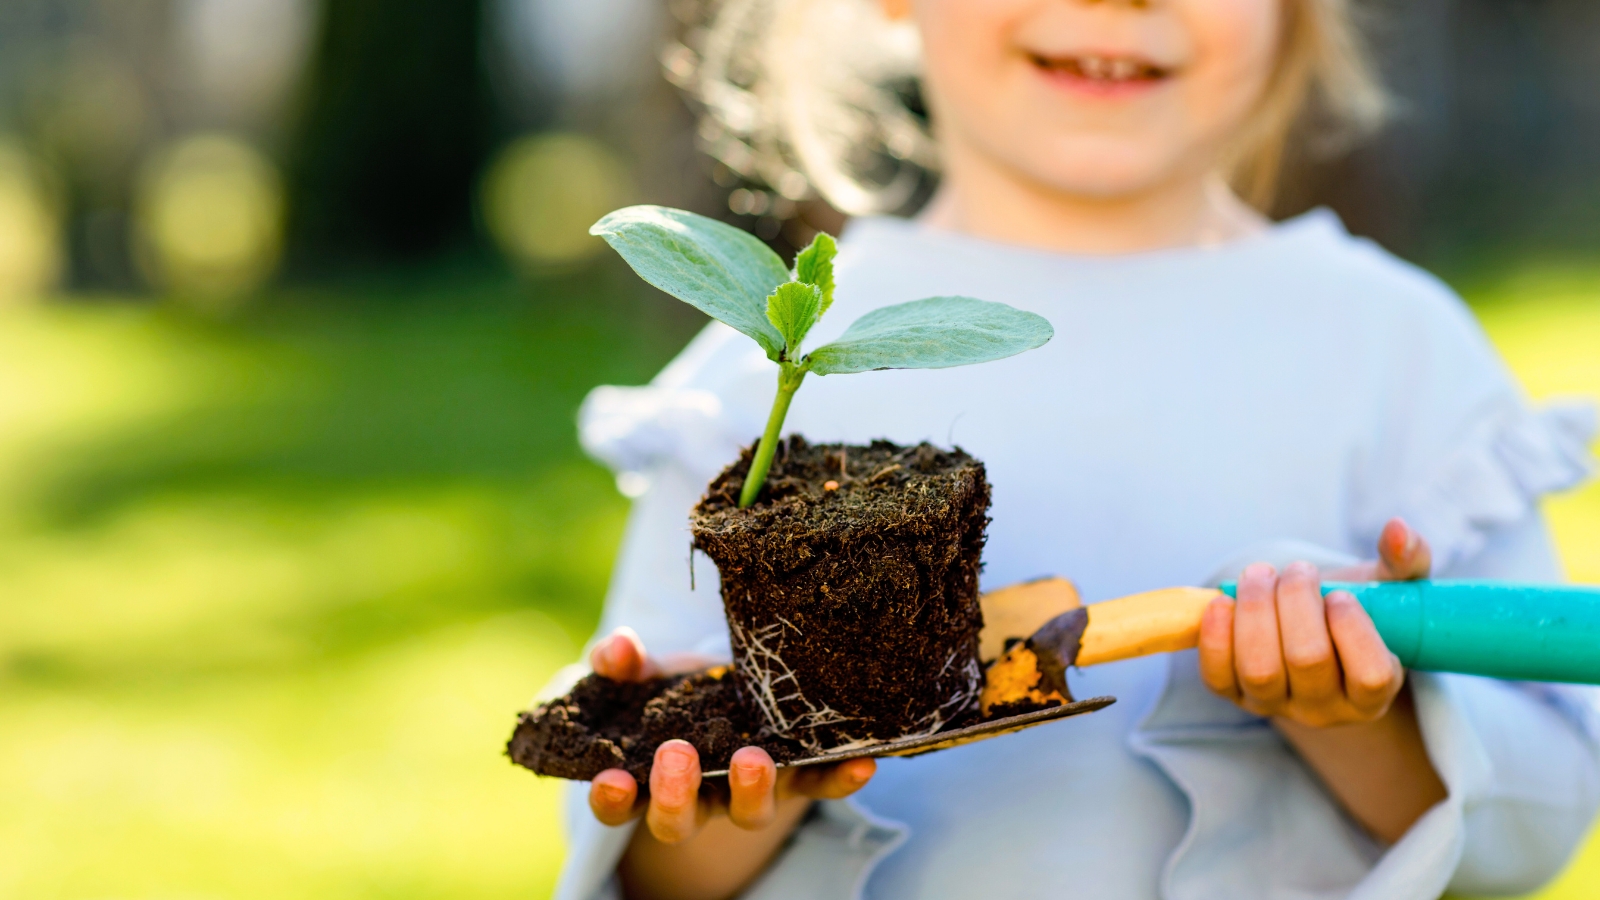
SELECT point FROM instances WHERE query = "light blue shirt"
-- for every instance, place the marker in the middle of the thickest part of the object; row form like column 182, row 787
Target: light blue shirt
column 1274, row 398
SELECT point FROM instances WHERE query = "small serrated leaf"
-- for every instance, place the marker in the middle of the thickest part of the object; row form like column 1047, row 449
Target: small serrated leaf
column 792, row 309
column 935, row 333
column 714, row 267
column 814, row 265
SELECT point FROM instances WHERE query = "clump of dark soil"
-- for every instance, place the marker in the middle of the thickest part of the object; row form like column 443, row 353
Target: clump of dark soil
column 604, row 724
column 851, row 589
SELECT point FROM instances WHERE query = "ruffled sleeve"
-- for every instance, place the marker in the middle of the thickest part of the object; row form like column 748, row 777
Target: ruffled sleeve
column 694, row 415
column 1495, row 475
column 1445, row 436
column 634, row 429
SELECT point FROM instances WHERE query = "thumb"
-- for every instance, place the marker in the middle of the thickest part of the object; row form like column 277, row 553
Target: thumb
column 620, row 656
column 1403, row 553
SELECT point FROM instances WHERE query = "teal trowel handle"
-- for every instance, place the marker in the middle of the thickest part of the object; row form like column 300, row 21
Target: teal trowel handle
column 1526, row 632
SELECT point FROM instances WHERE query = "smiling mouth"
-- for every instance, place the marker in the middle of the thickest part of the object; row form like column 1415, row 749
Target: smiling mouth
column 1102, row 71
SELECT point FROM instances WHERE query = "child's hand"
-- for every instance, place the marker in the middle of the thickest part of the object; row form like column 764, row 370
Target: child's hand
column 760, row 794
column 1285, row 651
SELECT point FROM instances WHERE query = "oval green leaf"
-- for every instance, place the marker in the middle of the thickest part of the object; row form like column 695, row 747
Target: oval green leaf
column 935, row 333
column 714, row 267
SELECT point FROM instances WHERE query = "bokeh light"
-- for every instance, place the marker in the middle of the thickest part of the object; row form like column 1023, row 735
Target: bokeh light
column 586, row 51
column 210, row 219
column 543, row 192
column 30, row 231
column 94, row 111
column 242, row 56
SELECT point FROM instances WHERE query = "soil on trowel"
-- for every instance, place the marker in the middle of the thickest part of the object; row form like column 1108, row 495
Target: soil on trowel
column 851, row 589
column 604, row 724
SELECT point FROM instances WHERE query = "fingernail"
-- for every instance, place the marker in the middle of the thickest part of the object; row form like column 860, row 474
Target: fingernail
column 612, row 794
column 673, row 760
column 745, row 776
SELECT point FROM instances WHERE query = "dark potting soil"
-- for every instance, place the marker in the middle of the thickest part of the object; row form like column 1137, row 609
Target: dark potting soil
column 604, row 724
column 851, row 588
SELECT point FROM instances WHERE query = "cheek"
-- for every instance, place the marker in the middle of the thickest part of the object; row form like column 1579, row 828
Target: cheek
column 966, row 49
column 1235, row 50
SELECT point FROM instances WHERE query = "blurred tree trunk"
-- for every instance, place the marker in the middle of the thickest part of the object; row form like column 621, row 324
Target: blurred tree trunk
column 394, row 123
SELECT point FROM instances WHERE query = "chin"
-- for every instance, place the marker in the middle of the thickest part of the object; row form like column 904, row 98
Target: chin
column 1104, row 171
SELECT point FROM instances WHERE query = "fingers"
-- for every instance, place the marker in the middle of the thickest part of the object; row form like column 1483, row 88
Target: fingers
column 1372, row 674
column 1257, row 652
column 612, row 795
column 1284, row 650
column 1403, row 554
column 1308, row 654
column 1216, row 648
column 752, row 779
column 620, row 656
column 674, row 810
column 832, row 782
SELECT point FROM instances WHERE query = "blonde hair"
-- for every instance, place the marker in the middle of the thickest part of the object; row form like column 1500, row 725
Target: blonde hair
column 1323, row 96
column 818, row 97
column 808, row 97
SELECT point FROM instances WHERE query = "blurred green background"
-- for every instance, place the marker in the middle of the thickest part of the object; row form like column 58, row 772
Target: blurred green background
column 296, row 310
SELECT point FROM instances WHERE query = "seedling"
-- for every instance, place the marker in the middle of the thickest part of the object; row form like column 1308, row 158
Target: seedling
column 733, row 277
column 806, row 679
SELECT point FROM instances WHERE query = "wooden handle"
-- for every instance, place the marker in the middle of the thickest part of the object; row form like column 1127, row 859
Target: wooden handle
column 1141, row 624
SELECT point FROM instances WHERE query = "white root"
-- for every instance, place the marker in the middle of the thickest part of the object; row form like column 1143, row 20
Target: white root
column 774, row 686
column 760, row 656
column 961, row 700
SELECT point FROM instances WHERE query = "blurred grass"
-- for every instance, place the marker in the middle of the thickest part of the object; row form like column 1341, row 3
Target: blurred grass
column 271, row 588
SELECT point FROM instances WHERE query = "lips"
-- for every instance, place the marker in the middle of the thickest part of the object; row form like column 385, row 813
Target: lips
column 1102, row 70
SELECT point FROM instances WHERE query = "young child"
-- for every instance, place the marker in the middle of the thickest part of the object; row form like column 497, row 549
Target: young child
column 1224, row 395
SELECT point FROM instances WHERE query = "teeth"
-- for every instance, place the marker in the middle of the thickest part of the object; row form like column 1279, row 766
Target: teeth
column 1103, row 68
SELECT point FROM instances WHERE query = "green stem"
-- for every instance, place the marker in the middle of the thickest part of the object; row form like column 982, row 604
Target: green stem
column 789, row 378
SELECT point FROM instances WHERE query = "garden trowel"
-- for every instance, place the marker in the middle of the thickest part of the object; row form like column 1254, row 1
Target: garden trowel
column 1498, row 629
